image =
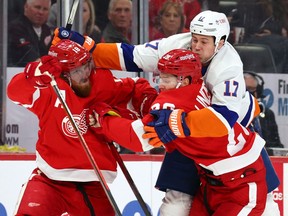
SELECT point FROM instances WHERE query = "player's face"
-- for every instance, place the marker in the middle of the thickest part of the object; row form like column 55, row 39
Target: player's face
column 167, row 82
column 203, row 45
column 80, row 80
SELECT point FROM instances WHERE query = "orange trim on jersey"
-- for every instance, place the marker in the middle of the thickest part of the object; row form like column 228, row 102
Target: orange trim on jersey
column 204, row 123
column 257, row 108
column 106, row 55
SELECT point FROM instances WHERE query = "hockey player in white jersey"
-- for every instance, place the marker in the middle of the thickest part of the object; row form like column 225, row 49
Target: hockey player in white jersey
column 222, row 71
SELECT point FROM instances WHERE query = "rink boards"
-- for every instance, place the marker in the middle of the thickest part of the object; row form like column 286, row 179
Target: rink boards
column 16, row 168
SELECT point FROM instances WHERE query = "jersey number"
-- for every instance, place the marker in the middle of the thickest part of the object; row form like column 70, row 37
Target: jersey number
column 157, row 106
column 231, row 89
column 153, row 46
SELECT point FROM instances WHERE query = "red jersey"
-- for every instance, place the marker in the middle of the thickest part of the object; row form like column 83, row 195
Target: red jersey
column 222, row 152
column 129, row 133
column 59, row 153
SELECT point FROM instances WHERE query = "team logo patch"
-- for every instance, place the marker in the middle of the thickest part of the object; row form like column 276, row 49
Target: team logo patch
column 65, row 34
column 67, row 126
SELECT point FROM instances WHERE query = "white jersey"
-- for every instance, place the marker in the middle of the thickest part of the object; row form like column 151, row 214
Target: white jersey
column 224, row 76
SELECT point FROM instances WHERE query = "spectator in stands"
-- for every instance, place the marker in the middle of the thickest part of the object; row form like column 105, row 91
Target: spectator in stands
column 120, row 19
column 262, row 27
column 190, row 9
column 88, row 16
column 265, row 123
column 250, row 14
column 171, row 20
column 89, row 26
column 29, row 36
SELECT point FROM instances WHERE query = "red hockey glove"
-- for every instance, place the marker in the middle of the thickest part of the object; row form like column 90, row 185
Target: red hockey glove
column 96, row 113
column 39, row 73
column 63, row 33
column 167, row 126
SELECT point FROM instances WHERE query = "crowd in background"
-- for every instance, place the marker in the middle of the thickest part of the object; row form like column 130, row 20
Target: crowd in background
column 261, row 22
column 104, row 21
column 31, row 24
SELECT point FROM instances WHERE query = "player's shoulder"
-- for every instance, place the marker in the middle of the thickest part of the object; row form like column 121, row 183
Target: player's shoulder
column 230, row 54
column 226, row 58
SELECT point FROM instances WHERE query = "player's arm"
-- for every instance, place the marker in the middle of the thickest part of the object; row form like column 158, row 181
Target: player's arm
column 119, row 125
column 25, row 88
column 143, row 96
column 135, row 93
column 127, row 133
column 121, row 56
column 142, row 57
column 117, row 56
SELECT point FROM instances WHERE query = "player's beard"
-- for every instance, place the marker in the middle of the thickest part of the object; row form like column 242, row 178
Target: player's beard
column 83, row 88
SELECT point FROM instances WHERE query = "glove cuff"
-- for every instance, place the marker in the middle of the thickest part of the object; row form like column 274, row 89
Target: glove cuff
column 89, row 44
column 177, row 123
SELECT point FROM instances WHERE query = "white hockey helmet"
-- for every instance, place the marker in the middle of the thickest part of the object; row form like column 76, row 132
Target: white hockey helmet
column 211, row 23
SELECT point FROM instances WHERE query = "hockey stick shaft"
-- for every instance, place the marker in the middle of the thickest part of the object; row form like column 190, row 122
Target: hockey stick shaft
column 72, row 14
column 129, row 179
column 86, row 148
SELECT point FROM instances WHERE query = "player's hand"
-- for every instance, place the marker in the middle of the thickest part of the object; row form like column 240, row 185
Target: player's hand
column 150, row 132
column 96, row 113
column 63, row 33
column 40, row 73
column 167, row 126
column 152, row 135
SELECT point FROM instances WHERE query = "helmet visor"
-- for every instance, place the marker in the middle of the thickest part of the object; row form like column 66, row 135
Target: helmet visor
column 81, row 73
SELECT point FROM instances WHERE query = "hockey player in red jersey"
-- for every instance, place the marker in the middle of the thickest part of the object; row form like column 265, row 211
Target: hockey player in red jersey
column 236, row 165
column 188, row 64
column 64, row 180
column 180, row 85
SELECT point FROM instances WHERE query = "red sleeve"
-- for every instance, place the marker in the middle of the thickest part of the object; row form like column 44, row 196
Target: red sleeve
column 20, row 84
column 143, row 97
column 125, row 132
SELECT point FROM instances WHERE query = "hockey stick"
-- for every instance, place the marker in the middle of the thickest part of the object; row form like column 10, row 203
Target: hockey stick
column 129, row 179
column 86, row 148
column 72, row 14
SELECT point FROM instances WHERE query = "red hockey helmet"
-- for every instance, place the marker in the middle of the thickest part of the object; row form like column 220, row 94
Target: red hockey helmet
column 181, row 63
column 70, row 54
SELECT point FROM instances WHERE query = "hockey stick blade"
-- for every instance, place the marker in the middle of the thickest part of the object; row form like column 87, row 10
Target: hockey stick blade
column 72, row 14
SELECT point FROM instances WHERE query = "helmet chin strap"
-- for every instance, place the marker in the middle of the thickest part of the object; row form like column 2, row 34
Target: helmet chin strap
column 178, row 85
column 216, row 50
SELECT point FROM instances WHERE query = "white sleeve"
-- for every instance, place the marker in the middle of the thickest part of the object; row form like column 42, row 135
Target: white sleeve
column 146, row 55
